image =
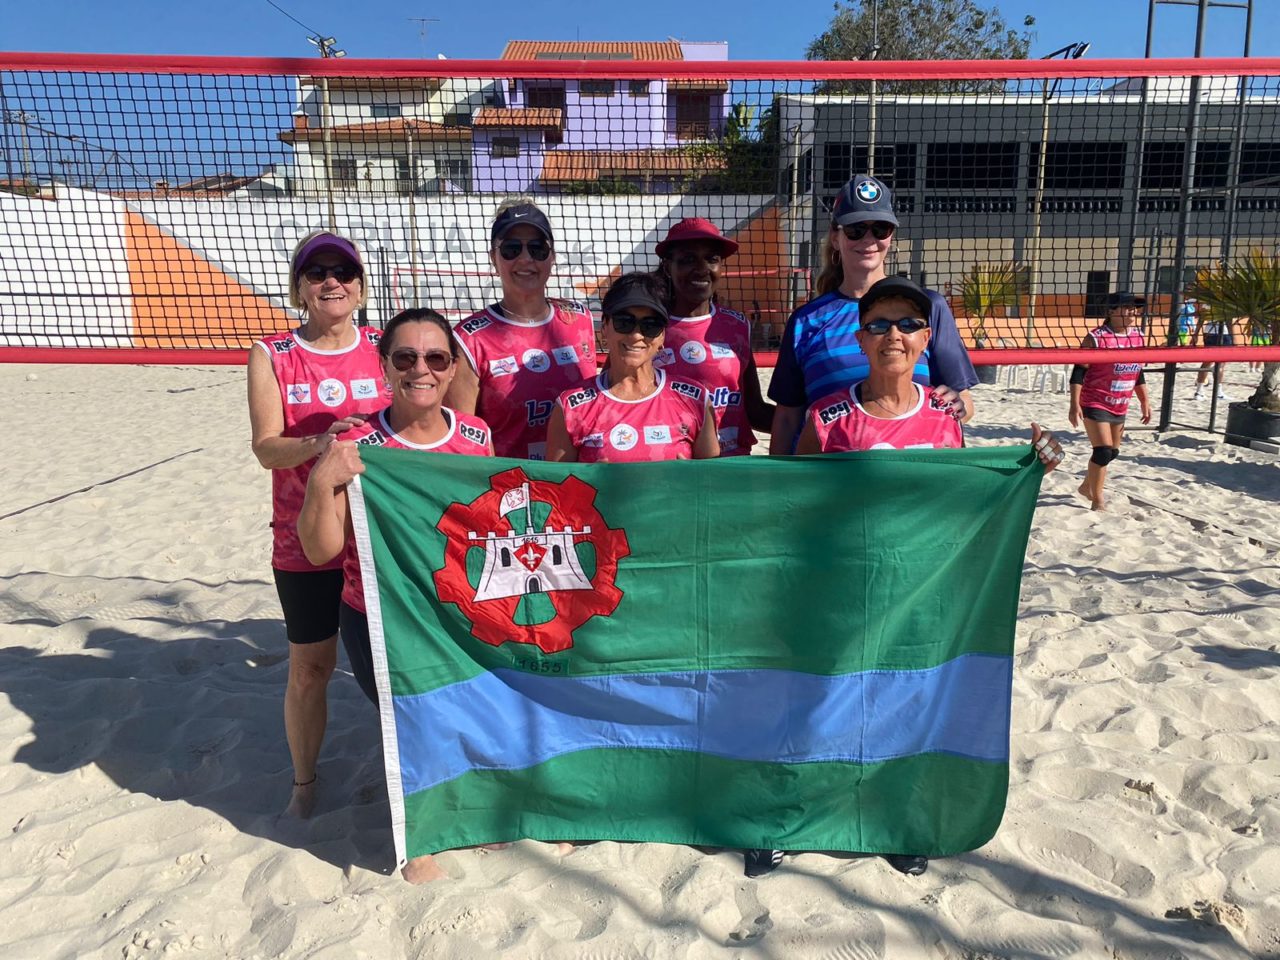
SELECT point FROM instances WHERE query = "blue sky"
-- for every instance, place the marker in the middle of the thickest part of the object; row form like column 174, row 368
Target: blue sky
column 755, row 30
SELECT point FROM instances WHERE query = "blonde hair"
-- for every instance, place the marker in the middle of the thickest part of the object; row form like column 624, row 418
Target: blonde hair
column 831, row 274
column 517, row 201
column 295, row 294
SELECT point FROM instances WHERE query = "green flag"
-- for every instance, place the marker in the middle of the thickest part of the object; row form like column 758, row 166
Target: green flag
column 796, row 653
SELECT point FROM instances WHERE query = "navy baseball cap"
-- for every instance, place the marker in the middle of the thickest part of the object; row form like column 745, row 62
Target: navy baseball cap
column 1124, row 298
column 522, row 213
column 862, row 199
column 894, row 288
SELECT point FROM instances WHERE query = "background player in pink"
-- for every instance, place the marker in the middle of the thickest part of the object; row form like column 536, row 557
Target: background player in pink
column 306, row 387
column 633, row 411
column 525, row 349
column 419, row 355
column 707, row 342
column 1100, row 392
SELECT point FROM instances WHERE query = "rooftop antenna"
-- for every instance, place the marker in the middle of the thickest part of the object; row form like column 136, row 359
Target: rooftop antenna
column 422, row 30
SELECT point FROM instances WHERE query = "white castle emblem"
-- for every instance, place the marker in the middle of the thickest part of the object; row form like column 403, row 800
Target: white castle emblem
column 518, row 564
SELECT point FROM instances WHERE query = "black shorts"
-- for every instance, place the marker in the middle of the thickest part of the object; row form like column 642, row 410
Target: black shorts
column 1218, row 340
column 355, row 638
column 1102, row 416
column 309, row 599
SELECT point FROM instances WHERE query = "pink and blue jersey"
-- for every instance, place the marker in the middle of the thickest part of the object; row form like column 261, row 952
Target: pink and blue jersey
column 1108, row 386
column 843, row 424
column 523, row 367
column 714, row 350
column 467, row 435
column 662, row 426
column 317, row 387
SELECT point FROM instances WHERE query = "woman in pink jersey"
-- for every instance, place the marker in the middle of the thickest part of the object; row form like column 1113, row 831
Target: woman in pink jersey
column 305, row 387
column 524, row 350
column 633, row 411
column 419, row 356
column 706, row 342
column 1100, row 392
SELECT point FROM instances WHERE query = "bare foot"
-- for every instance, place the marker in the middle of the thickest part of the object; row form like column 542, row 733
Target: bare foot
column 1084, row 490
column 1099, row 506
column 564, row 849
column 302, row 801
column 423, row 870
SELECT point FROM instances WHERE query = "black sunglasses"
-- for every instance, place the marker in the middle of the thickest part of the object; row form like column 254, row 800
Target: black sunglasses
column 878, row 229
column 538, row 249
column 879, row 327
column 650, row 324
column 343, row 273
column 406, row 359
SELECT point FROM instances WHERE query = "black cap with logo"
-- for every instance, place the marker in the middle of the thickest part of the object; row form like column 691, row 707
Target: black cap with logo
column 514, row 216
column 862, row 199
column 892, row 288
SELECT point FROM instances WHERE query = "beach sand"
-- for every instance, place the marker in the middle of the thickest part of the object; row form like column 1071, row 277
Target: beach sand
column 142, row 668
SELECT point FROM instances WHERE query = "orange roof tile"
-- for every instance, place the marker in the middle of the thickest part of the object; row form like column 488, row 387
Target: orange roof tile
column 508, row 117
column 398, row 128
column 591, row 50
column 564, row 165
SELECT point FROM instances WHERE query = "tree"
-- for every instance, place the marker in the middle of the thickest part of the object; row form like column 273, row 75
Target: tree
column 988, row 287
column 920, row 30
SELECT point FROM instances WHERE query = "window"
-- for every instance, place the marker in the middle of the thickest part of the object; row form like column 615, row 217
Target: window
column 1260, row 161
column 1213, row 164
column 638, row 88
column 557, row 556
column 456, row 169
column 693, row 116
column 1097, row 284
column 403, row 177
column 344, row 170
column 1163, row 162
column 542, row 97
column 457, row 119
column 596, row 88
column 1165, row 275
column 386, row 109
column 971, row 166
column 895, row 164
column 504, row 148
column 1079, row 166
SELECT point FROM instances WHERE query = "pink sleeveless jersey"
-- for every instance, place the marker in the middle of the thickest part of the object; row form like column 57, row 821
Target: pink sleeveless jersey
column 714, row 350
column 662, row 426
column 317, row 387
column 467, row 435
column 523, row 367
column 843, row 424
column 1108, row 386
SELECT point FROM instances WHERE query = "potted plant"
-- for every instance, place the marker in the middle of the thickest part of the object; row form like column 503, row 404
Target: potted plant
column 1248, row 287
column 984, row 289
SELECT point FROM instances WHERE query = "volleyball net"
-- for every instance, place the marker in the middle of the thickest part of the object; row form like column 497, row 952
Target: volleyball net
column 148, row 205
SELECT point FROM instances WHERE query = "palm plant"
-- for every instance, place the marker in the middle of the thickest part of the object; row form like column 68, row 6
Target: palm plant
column 988, row 287
column 1247, row 286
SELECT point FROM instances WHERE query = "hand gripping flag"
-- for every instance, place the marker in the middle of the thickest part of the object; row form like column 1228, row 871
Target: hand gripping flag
column 796, row 653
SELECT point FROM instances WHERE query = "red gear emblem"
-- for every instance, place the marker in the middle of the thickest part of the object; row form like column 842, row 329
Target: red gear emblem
column 533, row 562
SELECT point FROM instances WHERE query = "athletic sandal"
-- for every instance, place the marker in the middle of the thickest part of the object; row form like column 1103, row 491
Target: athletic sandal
column 756, row 863
column 908, row 863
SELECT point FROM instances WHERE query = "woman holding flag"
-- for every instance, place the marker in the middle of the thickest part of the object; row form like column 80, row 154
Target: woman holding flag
column 419, row 358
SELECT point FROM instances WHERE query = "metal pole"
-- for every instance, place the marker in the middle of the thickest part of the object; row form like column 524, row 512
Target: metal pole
column 413, row 226
column 1237, row 146
column 1184, row 219
column 326, row 134
column 1037, row 203
column 871, row 112
column 1125, row 280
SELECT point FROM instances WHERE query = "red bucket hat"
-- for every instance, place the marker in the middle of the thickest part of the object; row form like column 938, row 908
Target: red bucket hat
column 696, row 228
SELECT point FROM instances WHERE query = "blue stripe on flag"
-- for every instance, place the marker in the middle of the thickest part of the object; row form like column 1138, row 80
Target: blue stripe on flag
column 511, row 720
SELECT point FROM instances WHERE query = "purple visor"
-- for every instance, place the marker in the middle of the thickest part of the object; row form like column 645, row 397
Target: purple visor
column 322, row 242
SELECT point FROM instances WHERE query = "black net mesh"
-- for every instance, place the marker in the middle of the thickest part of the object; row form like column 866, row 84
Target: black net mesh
column 159, row 209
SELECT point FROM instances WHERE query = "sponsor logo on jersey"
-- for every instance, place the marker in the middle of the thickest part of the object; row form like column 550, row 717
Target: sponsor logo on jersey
column 573, row 306
column 579, row 397
column 657, row 435
column 1128, row 368
column 538, row 411
column 538, row 451
column 693, row 352
column 721, row 351
column 623, row 437
column 375, row 439
column 475, row 324
column 686, row 389
column 536, row 360
column 331, row 392
column 834, row 412
column 282, row 346
column 299, row 393
column 666, row 356
column 1121, row 387
column 373, row 336
column 503, row 367
column 364, row 389
column 724, row 397
column 565, row 356
column 593, row 440
column 474, row 434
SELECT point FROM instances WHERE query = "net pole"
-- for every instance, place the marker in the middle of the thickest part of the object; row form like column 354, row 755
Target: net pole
column 1237, row 145
column 1184, row 220
column 1037, row 204
column 1126, row 279
column 326, row 127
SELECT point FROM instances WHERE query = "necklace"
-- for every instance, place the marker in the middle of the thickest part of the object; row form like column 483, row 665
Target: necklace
column 517, row 318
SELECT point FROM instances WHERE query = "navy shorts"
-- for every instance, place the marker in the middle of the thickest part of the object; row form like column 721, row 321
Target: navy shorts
column 1218, row 340
column 309, row 599
column 355, row 638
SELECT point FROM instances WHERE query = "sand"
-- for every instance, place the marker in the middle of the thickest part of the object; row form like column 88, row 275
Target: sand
column 142, row 666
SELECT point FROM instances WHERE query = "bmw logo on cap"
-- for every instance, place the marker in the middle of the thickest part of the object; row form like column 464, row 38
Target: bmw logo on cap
column 868, row 191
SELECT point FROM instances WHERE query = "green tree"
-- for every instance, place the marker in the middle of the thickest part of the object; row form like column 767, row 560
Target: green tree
column 920, row 30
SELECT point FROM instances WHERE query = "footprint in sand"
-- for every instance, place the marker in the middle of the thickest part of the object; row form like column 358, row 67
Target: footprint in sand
column 755, row 922
column 864, row 936
column 1077, row 858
